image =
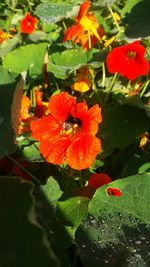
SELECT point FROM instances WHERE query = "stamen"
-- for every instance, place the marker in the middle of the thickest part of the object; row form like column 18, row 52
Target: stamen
column 70, row 125
column 131, row 54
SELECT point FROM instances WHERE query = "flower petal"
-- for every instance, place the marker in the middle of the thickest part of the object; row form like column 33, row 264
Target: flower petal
column 82, row 85
column 82, row 152
column 89, row 26
column 73, row 32
column 89, row 118
column 84, row 7
column 44, row 126
column 128, row 60
column 54, row 150
column 94, row 116
column 99, row 179
column 60, row 105
column 114, row 192
column 27, row 24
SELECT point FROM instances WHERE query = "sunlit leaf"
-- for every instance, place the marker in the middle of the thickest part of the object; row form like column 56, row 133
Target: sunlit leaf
column 53, row 12
column 62, row 64
column 26, row 58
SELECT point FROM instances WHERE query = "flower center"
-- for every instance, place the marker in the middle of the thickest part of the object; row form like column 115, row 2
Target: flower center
column 131, row 54
column 29, row 23
column 71, row 125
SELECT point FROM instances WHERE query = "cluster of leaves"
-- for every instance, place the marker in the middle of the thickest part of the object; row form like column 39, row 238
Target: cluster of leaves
column 47, row 218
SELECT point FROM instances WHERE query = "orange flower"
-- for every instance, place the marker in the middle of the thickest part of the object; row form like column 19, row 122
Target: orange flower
column 98, row 179
column 145, row 138
column 25, row 107
column 4, row 36
column 25, row 116
column 87, row 30
column 41, row 107
column 83, row 82
column 27, row 24
column 68, row 132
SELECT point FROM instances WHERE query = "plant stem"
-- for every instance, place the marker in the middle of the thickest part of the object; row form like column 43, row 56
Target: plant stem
column 111, row 87
column 129, row 85
column 103, row 75
column 113, row 16
column 144, row 88
column 23, row 169
column 89, row 36
column 64, row 25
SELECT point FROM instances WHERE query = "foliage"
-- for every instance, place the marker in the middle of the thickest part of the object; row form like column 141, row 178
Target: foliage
column 50, row 214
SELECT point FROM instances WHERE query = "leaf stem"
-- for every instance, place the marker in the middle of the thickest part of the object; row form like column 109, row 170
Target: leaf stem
column 89, row 37
column 103, row 75
column 23, row 169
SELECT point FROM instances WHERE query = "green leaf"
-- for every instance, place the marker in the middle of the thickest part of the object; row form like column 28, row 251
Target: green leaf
column 52, row 13
column 105, row 2
column 11, row 88
column 122, row 124
column 22, row 241
column 6, row 77
column 8, row 45
column 73, row 210
column 28, row 149
column 51, row 191
column 128, row 7
column 26, row 58
column 64, row 63
column 116, row 231
column 46, row 197
column 139, row 164
column 140, row 27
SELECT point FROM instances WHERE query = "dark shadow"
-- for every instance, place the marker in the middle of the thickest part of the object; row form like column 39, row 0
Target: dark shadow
column 130, row 248
column 137, row 22
column 56, row 233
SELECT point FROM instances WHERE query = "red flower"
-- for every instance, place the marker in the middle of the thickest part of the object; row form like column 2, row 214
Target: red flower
column 27, row 24
column 114, row 192
column 99, row 179
column 86, row 30
column 68, row 133
column 128, row 60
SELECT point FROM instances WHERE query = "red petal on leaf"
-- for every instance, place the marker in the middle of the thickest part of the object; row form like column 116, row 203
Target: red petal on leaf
column 114, row 192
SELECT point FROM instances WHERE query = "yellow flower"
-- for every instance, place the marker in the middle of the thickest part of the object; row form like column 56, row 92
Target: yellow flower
column 86, row 29
column 117, row 17
column 109, row 41
column 145, row 138
column 83, row 82
column 4, row 36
